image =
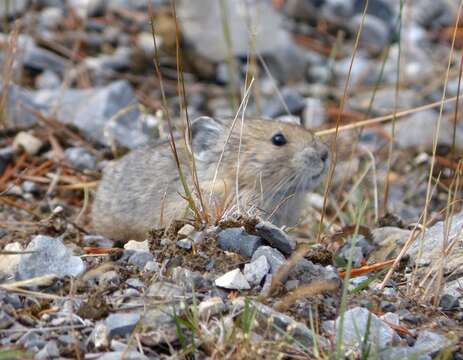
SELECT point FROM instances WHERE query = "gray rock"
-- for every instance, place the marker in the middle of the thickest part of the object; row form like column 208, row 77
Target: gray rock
column 140, row 259
column 50, row 256
column 355, row 253
column 6, row 155
column 31, row 341
column 211, row 307
column 283, row 324
column 430, row 343
column 314, row 113
column 355, row 328
column 166, row 290
column 5, row 320
column 135, row 283
column 50, row 17
column 288, row 101
column 80, row 158
column 97, row 240
column 30, row 187
column 47, row 80
column 306, row 272
column 100, row 336
column 449, row 302
column 186, row 244
column 275, row 258
column 49, row 351
column 121, row 324
column 233, row 280
column 255, row 271
column 275, row 237
column 127, row 355
column 375, row 35
column 104, row 114
column 32, row 56
column 237, row 240
column 109, row 278
column 190, row 280
column 12, row 8
column 433, row 241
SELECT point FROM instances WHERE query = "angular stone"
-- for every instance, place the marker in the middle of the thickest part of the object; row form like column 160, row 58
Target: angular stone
column 237, row 240
column 27, row 142
column 233, row 280
column 275, row 237
column 121, row 324
column 50, row 256
column 275, row 258
column 255, row 271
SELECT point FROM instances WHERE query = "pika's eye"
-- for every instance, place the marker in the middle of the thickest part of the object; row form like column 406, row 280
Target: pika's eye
column 278, row 139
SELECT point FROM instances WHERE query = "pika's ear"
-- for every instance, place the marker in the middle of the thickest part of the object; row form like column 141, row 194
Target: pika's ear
column 205, row 133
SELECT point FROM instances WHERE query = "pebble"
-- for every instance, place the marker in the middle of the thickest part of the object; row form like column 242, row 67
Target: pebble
column 121, row 324
column 233, row 280
column 356, row 320
column 27, row 142
column 47, row 80
column 237, row 240
column 5, row 320
column 255, row 271
column 275, row 258
column 141, row 246
column 49, row 351
column 140, row 259
column 288, row 102
column 109, row 278
column 275, row 237
column 9, row 263
column 80, row 158
column 50, row 256
column 449, row 302
column 429, row 342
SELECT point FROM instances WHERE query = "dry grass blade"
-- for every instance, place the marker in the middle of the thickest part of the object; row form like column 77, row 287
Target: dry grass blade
column 45, row 280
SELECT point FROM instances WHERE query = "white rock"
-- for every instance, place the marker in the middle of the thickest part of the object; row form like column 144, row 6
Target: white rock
column 141, row 246
column 255, row 271
column 9, row 263
column 29, row 143
column 233, row 280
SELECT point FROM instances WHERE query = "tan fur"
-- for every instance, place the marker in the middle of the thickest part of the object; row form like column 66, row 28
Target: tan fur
column 137, row 188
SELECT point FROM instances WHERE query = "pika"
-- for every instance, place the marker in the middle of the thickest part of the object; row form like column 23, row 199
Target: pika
column 267, row 164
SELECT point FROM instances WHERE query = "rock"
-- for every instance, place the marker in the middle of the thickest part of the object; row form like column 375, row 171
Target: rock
column 9, row 263
column 50, row 17
column 109, row 278
column 186, row 244
column 355, row 254
column 285, row 59
column 449, row 302
column 273, row 256
column 210, row 307
column 275, row 237
column 141, row 246
column 80, row 158
column 88, row 8
column 31, row 341
column 12, row 8
column 49, row 351
column 255, row 271
column 389, row 240
column 391, row 318
column 34, row 57
column 121, row 324
column 97, row 240
column 103, row 114
column 27, row 142
column 283, row 324
column 431, row 244
column 314, row 113
column 50, row 256
column 100, row 336
column 166, row 290
column 306, row 272
column 237, row 240
column 140, row 259
column 5, row 320
column 125, row 354
column 6, row 155
column 375, row 35
column 186, row 230
column 387, row 306
column 47, row 80
column 30, row 187
column 430, row 343
column 289, row 100
column 233, row 280
column 355, row 328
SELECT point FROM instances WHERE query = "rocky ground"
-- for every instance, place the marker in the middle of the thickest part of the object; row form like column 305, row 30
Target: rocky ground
column 382, row 278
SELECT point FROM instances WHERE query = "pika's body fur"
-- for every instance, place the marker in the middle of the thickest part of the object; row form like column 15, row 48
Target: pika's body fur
column 272, row 175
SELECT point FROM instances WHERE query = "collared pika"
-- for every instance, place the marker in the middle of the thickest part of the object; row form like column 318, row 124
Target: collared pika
column 278, row 162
